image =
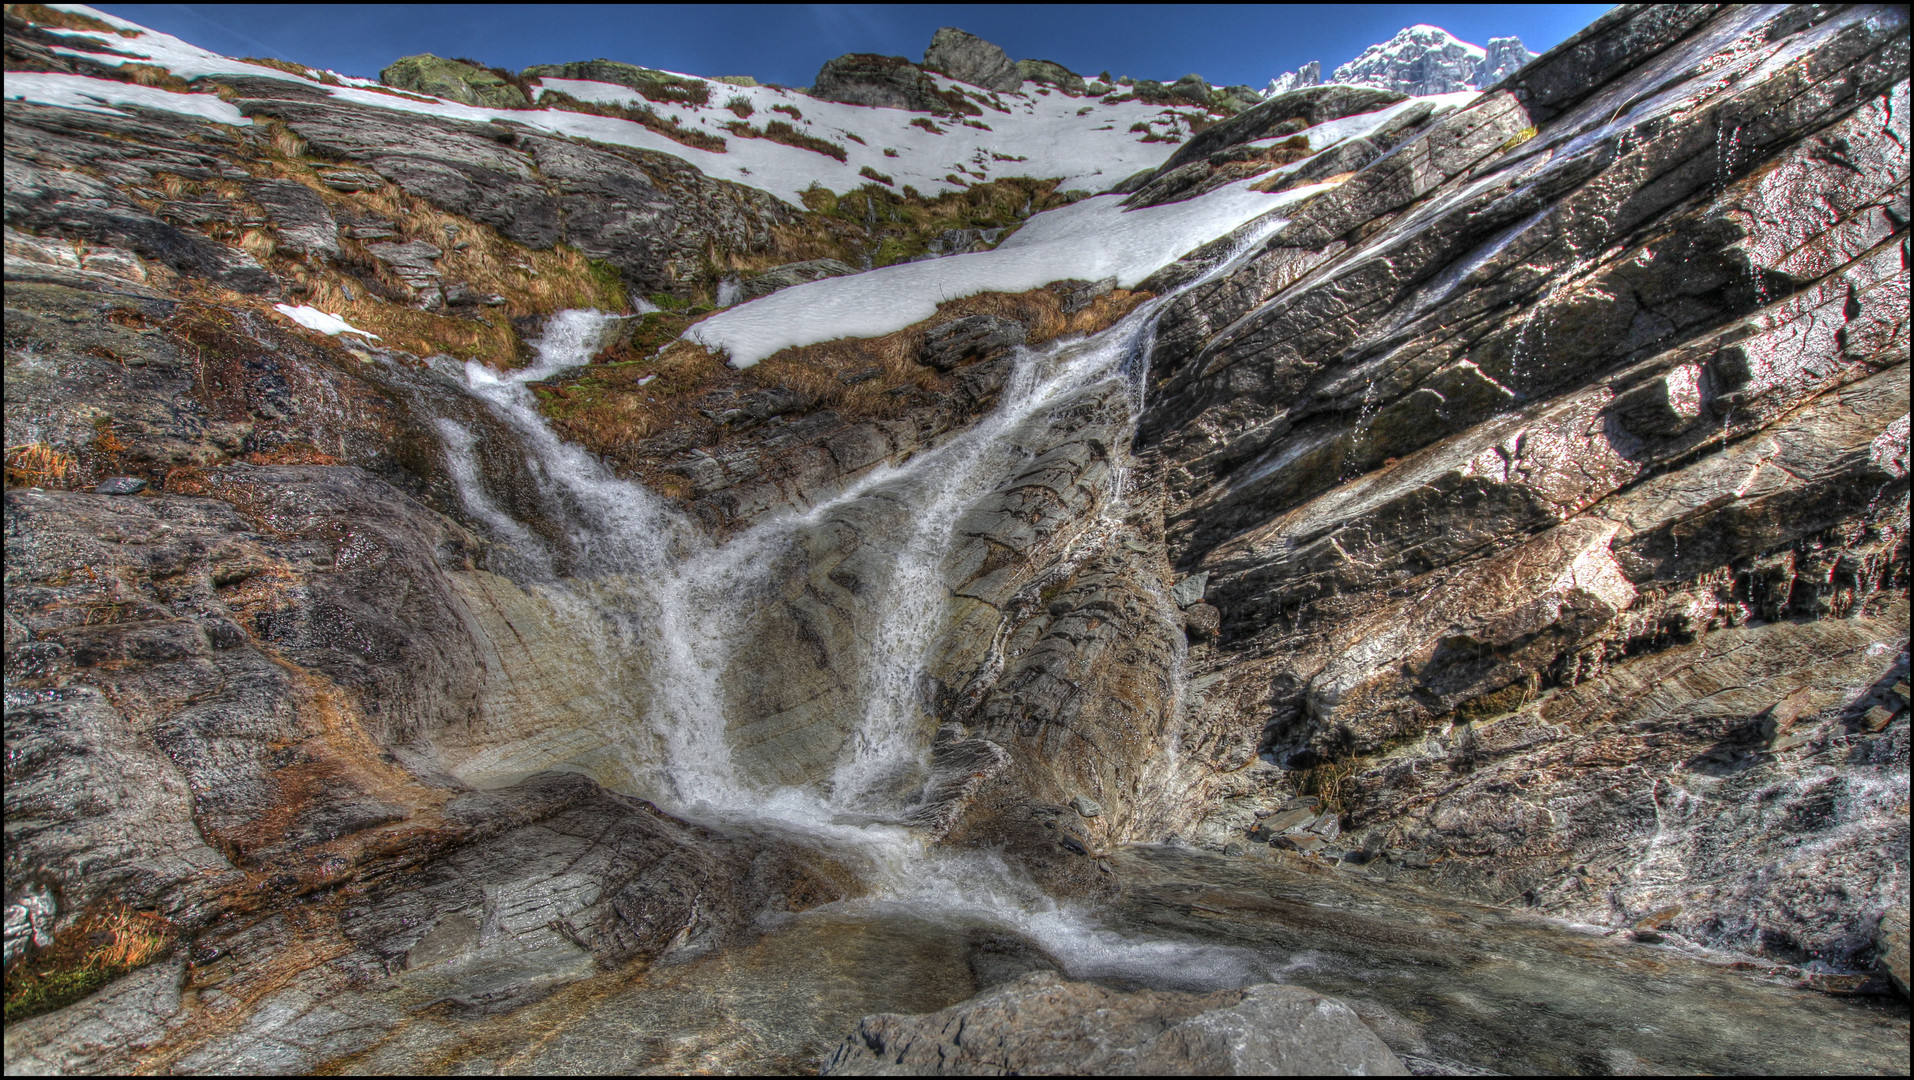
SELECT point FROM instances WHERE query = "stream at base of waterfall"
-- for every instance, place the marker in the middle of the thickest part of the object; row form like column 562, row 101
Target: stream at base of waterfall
column 665, row 611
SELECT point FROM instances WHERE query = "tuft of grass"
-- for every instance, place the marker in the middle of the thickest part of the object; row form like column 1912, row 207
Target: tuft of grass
column 638, row 114
column 155, row 76
column 40, row 465
column 788, row 110
column 888, row 152
column 819, row 198
column 873, row 174
column 780, row 132
column 924, row 122
column 291, row 68
column 284, row 140
column 1518, row 138
column 99, row 946
column 740, row 105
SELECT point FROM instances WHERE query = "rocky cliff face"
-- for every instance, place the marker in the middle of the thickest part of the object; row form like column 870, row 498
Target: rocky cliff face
column 1548, row 477
column 1524, row 514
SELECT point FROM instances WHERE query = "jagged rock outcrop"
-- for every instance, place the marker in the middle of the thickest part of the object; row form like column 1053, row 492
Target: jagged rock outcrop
column 1310, row 74
column 1547, row 427
column 1050, row 73
column 1501, row 57
column 652, row 83
column 1042, row 1024
column 453, row 79
column 649, row 214
column 797, row 273
column 872, row 79
column 1419, row 60
column 969, row 58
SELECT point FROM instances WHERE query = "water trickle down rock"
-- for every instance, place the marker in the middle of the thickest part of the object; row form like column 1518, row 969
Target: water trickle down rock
column 1587, row 577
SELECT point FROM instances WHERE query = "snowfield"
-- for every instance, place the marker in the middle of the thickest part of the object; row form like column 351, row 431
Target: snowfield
column 100, row 95
column 1092, row 239
column 1041, row 133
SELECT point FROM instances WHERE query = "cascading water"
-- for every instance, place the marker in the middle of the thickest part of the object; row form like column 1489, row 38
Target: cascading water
column 672, row 615
column 650, row 582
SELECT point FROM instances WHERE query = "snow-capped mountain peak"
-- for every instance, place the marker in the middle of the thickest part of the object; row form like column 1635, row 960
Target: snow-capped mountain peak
column 1419, row 60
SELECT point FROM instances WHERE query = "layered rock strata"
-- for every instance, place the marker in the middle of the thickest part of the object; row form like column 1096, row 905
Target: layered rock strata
column 1525, row 516
column 1541, row 467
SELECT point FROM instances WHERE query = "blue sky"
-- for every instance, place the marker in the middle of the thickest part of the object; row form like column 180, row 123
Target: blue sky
column 1226, row 44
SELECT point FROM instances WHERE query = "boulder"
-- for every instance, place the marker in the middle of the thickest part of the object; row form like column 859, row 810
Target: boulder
column 1043, row 1024
column 1077, row 294
column 1053, row 73
column 1891, row 942
column 455, row 80
column 120, row 485
column 969, row 58
column 797, row 273
column 1192, row 88
column 301, row 222
column 974, row 337
column 870, row 79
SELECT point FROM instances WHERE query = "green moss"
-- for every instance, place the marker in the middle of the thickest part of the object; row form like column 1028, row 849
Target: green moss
column 52, row 990
column 609, row 283
column 897, row 249
column 1518, row 138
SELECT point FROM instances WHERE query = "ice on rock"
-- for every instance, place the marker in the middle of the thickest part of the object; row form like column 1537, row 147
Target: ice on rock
column 313, row 319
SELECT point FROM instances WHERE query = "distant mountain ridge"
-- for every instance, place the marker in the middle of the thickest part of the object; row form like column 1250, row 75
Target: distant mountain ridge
column 1420, row 60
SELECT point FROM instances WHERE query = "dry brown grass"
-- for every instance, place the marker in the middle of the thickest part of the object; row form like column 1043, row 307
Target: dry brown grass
column 285, row 141
column 603, row 407
column 365, row 292
column 102, row 944
column 42, row 15
column 40, row 465
column 156, row 76
column 290, row 68
column 642, row 115
column 258, row 243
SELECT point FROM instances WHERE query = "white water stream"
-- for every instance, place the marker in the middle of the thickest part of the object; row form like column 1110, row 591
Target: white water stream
column 649, row 583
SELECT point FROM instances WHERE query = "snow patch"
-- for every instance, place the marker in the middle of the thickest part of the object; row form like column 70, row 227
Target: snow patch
column 88, row 94
column 1090, row 239
column 313, row 319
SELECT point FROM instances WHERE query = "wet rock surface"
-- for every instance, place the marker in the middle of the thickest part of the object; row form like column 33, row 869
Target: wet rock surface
column 1525, row 519
column 1044, row 1024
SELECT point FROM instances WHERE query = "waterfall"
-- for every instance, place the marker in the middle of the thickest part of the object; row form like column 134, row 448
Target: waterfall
column 650, row 581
